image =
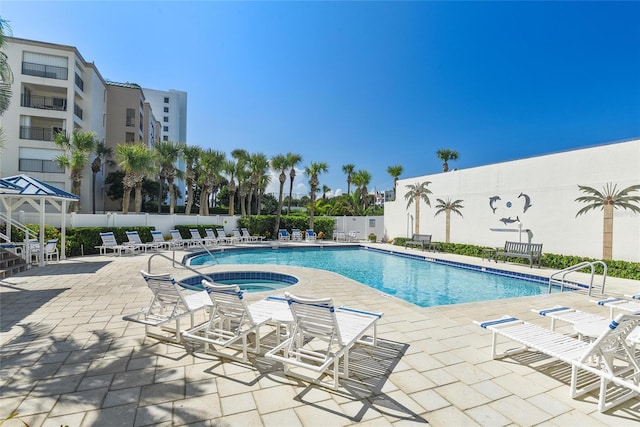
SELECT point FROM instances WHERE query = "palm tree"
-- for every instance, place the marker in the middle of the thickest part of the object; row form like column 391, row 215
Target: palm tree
column 191, row 155
column 258, row 164
column 607, row 200
column 211, row 164
column 137, row 162
column 6, row 76
column 361, row 179
column 293, row 160
column 312, row 172
column 167, row 154
column 348, row 169
column 447, row 206
column 263, row 183
column 102, row 153
column 77, row 149
column 279, row 163
column 395, row 172
column 229, row 168
column 325, row 190
column 418, row 192
column 445, row 155
column 242, row 174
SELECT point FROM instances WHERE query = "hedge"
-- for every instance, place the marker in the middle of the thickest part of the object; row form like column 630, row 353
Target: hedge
column 263, row 225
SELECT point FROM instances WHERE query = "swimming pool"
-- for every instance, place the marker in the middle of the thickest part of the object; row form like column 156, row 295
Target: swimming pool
column 411, row 278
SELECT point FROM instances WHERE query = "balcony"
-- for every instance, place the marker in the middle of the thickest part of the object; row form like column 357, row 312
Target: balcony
column 39, row 133
column 77, row 111
column 43, row 102
column 79, row 82
column 48, row 71
column 37, row 165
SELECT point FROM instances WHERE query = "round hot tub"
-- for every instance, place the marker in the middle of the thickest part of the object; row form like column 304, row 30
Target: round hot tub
column 250, row 281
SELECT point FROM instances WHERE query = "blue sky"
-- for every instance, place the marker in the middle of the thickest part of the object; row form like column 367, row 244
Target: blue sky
column 370, row 83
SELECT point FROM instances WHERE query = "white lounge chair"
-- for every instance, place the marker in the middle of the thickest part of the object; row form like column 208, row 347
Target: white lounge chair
column 567, row 315
column 321, row 336
column 158, row 239
column 247, row 235
column 619, row 304
column 170, row 303
column 51, row 250
column 223, row 236
column 609, row 356
column 238, row 237
column 310, row 235
column 137, row 243
column 176, row 239
column 296, row 235
column 109, row 242
column 196, row 238
column 283, row 234
column 230, row 324
column 210, row 239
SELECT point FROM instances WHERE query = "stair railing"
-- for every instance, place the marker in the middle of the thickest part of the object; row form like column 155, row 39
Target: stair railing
column 559, row 278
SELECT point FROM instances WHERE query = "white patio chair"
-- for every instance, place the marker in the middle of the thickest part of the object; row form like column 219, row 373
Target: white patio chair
column 609, row 356
column 223, row 236
column 238, row 236
column 210, row 238
column 321, row 336
column 247, row 235
column 158, row 239
column 231, row 323
column 109, row 242
column 283, row 234
column 619, row 304
column 196, row 238
column 137, row 243
column 176, row 239
column 170, row 303
column 51, row 250
column 310, row 235
column 296, row 235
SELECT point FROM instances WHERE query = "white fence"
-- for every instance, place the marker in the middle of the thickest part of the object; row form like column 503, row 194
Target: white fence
column 363, row 226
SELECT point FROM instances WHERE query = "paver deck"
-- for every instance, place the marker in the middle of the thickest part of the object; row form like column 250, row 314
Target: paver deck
column 68, row 358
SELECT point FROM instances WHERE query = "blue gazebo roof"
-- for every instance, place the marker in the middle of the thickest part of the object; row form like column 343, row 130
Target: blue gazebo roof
column 28, row 186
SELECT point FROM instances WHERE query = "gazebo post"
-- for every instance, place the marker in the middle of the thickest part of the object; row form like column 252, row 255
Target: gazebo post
column 63, row 230
column 41, row 255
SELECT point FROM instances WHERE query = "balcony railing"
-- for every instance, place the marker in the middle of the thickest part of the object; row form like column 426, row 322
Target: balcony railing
column 77, row 111
column 49, row 71
column 43, row 102
column 36, row 165
column 38, row 133
column 79, row 82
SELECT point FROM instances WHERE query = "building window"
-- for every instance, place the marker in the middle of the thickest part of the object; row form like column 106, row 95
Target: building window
column 131, row 117
column 166, row 99
column 165, row 119
column 166, row 109
column 165, row 128
column 130, row 137
column 165, row 138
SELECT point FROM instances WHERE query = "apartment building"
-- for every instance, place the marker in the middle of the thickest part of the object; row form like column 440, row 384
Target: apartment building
column 56, row 90
column 170, row 108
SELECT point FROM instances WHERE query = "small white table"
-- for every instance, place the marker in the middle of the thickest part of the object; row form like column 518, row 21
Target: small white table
column 282, row 318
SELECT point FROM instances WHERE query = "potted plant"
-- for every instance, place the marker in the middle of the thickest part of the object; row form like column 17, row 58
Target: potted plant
column 372, row 238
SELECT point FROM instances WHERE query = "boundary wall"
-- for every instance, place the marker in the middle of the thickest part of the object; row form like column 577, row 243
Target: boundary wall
column 550, row 183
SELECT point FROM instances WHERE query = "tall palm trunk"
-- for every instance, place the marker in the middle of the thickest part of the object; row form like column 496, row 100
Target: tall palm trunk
column 282, row 179
column 172, row 195
column 417, row 225
column 447, row 233
column 607, row 232
column 125, row 200
column 138, row 198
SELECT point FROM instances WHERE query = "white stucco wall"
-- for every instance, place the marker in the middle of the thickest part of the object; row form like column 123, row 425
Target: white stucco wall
column 551, row 181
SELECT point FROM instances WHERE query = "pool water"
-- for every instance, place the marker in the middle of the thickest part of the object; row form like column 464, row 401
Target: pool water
column 250, row 285
column 417, row 281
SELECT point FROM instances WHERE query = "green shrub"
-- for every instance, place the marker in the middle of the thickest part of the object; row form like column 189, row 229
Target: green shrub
column 186, row 233
column 83, row 240
column 621, row 269
column 262, row 225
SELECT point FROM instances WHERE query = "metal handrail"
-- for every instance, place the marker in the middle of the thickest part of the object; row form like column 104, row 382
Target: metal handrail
column 26, row 252
column 564, row 272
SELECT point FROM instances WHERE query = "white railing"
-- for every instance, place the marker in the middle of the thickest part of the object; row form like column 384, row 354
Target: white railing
column 24, row 250
column 560, row 278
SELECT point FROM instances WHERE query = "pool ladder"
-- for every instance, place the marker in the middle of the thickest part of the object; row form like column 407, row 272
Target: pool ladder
column 559, row 278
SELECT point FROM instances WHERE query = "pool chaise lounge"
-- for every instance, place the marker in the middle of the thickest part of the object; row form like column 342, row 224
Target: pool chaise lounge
column 232, row 321
column 109, row 242
column 609, row 356
column 619, row 304
column 321, row 337
column 169, row 304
